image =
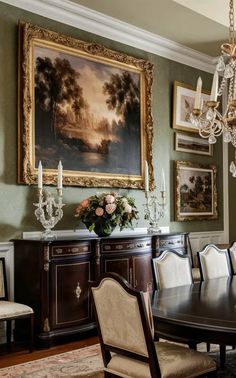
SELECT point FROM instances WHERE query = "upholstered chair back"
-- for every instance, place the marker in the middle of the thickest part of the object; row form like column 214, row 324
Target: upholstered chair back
column 232, row 255
column 3, row 284
column 214, row 262
column 119, row 317
column 172, row 269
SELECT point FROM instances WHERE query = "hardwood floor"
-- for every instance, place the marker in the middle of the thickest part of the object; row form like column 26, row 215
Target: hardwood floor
column 20, row 355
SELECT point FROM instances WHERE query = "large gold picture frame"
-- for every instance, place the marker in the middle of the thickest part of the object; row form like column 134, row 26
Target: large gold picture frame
column 85, row 105
column 195, row 191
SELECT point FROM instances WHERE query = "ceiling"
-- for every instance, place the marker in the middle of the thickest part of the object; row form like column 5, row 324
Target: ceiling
column 199, row 24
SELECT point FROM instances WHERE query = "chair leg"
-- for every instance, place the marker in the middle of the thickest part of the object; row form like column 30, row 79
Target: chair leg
column 8, row 324
column 222, row 355
column 192, row 345
column 31, row 341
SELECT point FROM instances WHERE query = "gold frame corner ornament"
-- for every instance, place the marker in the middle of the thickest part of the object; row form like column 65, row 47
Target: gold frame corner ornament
column 192, row 167
column 29, row 35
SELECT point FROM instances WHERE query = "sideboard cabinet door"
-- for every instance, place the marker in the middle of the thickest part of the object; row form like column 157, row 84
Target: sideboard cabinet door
column 70, row 297
column 130, row 257
column 53, row 278
column 142, row 277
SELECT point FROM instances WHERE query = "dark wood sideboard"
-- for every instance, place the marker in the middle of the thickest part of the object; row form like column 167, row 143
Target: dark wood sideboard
column 53, row 276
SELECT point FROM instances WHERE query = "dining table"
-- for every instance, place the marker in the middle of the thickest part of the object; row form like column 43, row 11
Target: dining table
column 204, row 311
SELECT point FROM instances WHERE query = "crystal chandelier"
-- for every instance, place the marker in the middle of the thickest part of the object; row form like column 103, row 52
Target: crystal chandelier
column 213, row 123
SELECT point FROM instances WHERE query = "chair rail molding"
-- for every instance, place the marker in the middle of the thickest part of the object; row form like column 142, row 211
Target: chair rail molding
column 105, row 26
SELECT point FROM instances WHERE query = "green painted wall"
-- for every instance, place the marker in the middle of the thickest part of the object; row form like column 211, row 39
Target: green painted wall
column 16, row 201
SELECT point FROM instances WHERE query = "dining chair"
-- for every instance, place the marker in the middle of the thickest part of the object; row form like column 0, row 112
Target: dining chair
column 232, row 256
column 127, row 345
column 172, row 269
column 11, row 310
column 215, row 263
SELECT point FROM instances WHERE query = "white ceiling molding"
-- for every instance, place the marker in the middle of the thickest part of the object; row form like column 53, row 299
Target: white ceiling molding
column 94, row 22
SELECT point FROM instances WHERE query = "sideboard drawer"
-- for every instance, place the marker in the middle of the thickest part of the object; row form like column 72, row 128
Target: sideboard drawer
column 177, row 241
column 70, row 249
column 125, row 245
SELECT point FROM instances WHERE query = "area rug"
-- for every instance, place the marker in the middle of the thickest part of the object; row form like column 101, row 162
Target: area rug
column 87, row 362
column 84, row 362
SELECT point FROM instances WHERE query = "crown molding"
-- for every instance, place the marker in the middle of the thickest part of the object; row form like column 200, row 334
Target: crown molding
column 92, row 21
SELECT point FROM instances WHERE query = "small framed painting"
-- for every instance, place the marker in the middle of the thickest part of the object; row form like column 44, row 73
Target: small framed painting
column 192, row 144
column 183, row 101
column 195, row 191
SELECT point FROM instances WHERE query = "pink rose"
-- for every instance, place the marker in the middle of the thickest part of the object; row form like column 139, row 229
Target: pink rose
column 99, row 211
column 84, row 203
column 110, row 208
column 109, row 198
column 128, row 208
column 78, row 211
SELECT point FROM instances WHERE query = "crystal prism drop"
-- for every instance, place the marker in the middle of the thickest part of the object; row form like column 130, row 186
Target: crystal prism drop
column 221, row 64
column 212, row 139
column 228, row 72
column 232, row 167
column 226, row 137
column 234, row 173
column 209, row 114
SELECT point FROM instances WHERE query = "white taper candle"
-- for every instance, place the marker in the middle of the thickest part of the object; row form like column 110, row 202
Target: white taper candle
column 59, row 176
column 146, row 177
column 214, row 88
column 163, row 181
column 40, row 176
column 197, row 102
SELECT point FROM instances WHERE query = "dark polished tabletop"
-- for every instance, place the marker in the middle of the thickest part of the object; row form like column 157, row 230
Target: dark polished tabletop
column 204, row 311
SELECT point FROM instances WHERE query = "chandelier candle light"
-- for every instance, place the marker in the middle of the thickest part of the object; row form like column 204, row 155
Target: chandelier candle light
column 48, row 211
column 154, row 210
column 212, row 123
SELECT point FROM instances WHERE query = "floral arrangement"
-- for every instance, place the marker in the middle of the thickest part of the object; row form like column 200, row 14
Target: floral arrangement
column 101, row 213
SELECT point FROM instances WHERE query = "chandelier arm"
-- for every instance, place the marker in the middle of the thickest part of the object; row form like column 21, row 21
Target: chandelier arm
column 231, row 21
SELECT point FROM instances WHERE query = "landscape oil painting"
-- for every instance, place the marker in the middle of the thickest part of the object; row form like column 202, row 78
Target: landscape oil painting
column 193, row 144
column 196, row 195
column 89, row 111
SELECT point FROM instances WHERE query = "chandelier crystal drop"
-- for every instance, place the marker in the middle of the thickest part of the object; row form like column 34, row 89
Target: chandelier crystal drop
column 211, row 123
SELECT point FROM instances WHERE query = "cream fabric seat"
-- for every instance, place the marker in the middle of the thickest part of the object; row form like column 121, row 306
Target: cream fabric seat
column 174, row 361
column 11, row 310
column 126, row 340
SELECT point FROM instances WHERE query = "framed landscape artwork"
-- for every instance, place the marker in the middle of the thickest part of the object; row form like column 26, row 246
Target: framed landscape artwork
column 192, row 144
column 183, row 102
column 195, row 191
column 85, row 105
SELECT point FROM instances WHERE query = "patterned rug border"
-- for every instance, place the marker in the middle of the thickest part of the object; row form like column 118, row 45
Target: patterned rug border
column 60, row 358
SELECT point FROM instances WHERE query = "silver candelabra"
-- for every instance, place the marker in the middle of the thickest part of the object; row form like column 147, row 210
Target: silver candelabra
column 49, row 212
column 154, row 211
